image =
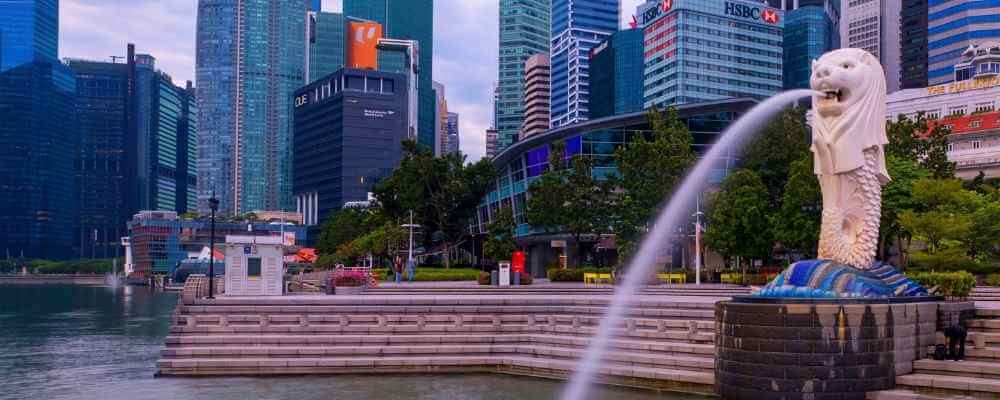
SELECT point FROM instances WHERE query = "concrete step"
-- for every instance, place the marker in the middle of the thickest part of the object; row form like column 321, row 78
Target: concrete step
column 904, row 394
column 957, row 385
column 968, row 368
column 333, row 365
column 706, row 313
column 648, row 359
column 984, row 325
column 651, row 346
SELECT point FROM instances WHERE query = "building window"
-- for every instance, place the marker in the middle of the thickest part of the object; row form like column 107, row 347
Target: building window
column 975, row 124
column 976, row 144
column 253, row 267
column 951, row 147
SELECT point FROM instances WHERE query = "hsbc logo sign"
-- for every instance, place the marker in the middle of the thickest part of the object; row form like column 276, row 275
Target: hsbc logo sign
column 768, row 15
column 652, row 13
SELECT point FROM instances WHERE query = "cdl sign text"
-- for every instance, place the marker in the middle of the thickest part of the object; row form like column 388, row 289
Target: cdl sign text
column 768, row 15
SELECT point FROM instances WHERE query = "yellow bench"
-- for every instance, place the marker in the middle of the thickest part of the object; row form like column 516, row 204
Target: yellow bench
column 672, row 278
column 734, row 278
column 595, row 278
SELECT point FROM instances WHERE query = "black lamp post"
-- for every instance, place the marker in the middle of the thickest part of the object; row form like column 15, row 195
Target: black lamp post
column 213, row 203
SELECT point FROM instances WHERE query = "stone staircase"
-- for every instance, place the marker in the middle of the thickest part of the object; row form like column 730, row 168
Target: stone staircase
column 664, row 344
column 976, row 377
column 985, row 293
column 706, row 290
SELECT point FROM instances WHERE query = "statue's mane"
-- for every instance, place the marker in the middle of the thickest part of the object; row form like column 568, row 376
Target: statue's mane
column 862, row 125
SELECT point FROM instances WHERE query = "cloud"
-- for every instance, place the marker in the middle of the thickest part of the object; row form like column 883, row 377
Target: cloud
column 99, row 29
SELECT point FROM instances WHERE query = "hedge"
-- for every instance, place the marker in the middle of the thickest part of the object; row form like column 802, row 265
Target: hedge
column 951, row 284
column 572, row 274
column 993, row 279
column 82, row 266
column 431, row 274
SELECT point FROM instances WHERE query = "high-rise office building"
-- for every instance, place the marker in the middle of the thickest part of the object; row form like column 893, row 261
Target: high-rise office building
column 809, row 31
column 913, row 32
column 137, row 147
column 524, row 31
column 952, row 27
column 491, row 143
column 39, row 139
column 349, row 127
column 103, row 181
column 874, row 25
column 615, row 67
column 577, row 26
column 29, row 31
column 402, row 56
column 172, row 147
column 704, row 50
column 440, row 120
column 250, row 59
column 409, row 20
column 325, row 46
column 536, row 95
column 452, row 144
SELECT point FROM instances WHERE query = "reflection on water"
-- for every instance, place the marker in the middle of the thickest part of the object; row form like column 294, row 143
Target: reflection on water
column 78, row 342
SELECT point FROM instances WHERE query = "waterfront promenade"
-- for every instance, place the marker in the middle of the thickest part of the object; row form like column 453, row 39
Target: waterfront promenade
column 666, row 342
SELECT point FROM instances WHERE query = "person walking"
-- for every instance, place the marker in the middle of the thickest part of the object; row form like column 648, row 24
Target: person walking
column 410, row 270
column 397, row 268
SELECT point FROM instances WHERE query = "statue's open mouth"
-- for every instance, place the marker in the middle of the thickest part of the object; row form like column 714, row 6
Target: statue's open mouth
column 834, row 94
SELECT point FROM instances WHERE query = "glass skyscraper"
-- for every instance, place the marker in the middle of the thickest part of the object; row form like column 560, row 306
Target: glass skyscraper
column 102, row 167
column 250, row 60
column 913, row 32
column 326, row 44
column 410, row 20
column 524, row 32
column 615, row 68
column 38, row 142
column 137, row 147
column 809, row 32
column 38, row 134
column 29, row 31
column 953, row 26
column 704, row 50
column 577, row 26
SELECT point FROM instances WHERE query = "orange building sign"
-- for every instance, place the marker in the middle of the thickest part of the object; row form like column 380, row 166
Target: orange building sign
column 363, row 36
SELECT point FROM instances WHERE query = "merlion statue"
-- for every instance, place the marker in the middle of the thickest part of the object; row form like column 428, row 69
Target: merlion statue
column 848, row 136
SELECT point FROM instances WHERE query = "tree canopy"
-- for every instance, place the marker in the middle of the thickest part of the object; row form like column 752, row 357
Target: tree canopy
column 738, row 215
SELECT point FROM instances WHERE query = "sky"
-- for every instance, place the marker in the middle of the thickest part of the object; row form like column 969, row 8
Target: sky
column 465, row 46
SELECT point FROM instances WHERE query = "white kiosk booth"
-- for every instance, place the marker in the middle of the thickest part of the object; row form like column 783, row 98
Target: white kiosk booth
column 254, row 265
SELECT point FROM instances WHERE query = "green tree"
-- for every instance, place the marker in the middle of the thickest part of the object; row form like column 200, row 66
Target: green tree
column 915, row 140
column 796, row 223
column 897, row 198
column 985, row 231
column 500, row 242
column 443, row 192
column 937, row 226
column 649, row 170
column 570, row 199
column 782, row 142
column 738, row 217
column 341, row 227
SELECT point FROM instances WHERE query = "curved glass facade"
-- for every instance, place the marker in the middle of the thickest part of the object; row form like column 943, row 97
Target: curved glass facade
column 524, row 162
column 954, row 25
column 808, row 34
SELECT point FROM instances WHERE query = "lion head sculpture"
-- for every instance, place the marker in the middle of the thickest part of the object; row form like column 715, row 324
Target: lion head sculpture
column 850, row 111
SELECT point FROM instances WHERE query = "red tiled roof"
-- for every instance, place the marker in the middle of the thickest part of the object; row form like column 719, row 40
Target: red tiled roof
column 964, row 124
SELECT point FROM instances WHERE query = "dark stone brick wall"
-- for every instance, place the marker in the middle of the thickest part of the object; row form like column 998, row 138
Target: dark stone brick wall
column 819, row 350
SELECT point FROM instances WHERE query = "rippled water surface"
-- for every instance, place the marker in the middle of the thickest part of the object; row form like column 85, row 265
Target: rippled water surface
column 78, row 342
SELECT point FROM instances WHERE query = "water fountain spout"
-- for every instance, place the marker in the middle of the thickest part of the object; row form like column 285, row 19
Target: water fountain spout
column 674, row 214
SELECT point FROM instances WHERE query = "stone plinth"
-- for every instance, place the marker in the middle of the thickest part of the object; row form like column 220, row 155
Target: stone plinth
column 792, row 349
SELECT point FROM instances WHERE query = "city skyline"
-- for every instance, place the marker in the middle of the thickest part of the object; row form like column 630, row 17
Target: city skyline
column 166, row 30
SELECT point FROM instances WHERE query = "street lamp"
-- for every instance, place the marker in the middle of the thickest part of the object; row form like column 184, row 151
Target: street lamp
column 409, row 259
column 213, row 203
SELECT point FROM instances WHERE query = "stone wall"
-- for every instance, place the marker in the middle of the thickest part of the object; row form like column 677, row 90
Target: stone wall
column 818, row 350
